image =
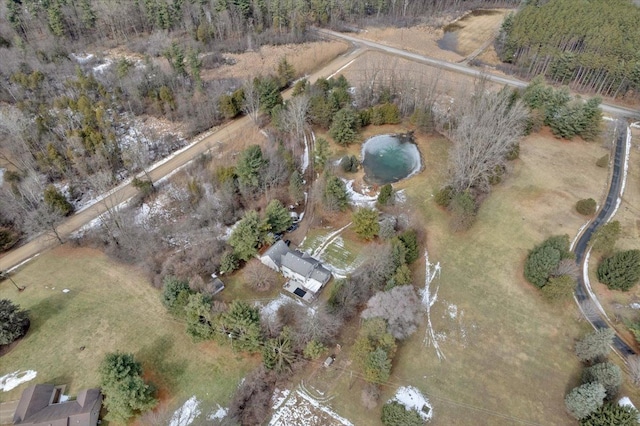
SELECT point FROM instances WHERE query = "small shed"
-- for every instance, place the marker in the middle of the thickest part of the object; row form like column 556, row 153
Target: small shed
column 329, row 361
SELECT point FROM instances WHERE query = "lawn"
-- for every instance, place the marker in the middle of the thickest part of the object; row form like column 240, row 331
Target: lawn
column 111, row 307
column 508, row 354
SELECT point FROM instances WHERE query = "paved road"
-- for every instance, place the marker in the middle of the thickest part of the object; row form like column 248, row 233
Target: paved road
column 463, row 69
column 126, row 191
column 582, row 295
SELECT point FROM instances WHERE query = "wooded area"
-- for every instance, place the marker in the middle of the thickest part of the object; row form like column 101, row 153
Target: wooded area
column 590, row 46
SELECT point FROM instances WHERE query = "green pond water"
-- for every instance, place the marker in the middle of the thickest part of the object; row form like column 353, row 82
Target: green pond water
column 389, row 158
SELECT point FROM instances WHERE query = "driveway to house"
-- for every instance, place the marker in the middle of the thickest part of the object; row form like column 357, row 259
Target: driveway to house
column 126, row 191
column 461, row 68
column 586, row 299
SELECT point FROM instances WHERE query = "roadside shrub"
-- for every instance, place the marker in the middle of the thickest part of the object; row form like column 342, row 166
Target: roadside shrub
column 596, row 345
column 605, row 237
column 612, row 414
column 443, row 196
column 607, row 374
column 545, row 258
column 396, row 414
column 603, row 161
column 620, row 271
column 559, row 289
column 586, row 207
column 585, row 399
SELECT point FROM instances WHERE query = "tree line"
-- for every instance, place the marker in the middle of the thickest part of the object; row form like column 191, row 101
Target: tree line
column 589, row 46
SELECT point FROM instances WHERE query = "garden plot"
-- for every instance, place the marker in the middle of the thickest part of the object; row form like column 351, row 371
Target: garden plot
column 298, row 408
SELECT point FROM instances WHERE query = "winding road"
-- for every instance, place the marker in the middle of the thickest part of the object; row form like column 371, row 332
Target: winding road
column 583, row 295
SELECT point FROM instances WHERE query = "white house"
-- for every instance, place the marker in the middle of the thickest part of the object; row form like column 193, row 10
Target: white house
column 307, row 273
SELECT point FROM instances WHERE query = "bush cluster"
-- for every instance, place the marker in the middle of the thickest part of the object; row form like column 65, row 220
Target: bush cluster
column 621, row 271
column 544, row 259
column 586, row 207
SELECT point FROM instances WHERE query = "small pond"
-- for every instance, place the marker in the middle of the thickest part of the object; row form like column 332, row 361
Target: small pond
column 390, row 158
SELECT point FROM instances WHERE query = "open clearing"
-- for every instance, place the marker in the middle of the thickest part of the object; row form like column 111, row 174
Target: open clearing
column 477, row 28
column 111, row 307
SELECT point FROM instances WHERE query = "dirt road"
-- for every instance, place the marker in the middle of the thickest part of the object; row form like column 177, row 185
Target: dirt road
column 126, row 191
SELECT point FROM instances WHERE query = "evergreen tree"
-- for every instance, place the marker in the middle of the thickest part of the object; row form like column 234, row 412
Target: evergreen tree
column 335, row 196
column 396, row 414
column 607, row 374
column 296, row 187
column 321, row 153
column 249, row 166
column 365, row 223
column 247, row 236
column 56, row 201
column 125, row 392
column 198, row 316
column 621, row 271
column 595, row 345
column 277, row 217
column 386, row 195
column 612, row 415
column 585, row 399
column 605, row 237
column 344, row 128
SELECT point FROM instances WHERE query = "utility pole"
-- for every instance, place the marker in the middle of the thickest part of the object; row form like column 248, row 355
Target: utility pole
column 5, row 275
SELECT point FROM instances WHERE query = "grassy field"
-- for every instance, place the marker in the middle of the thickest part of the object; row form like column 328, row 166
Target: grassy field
column 508, row 354
column 111, row 307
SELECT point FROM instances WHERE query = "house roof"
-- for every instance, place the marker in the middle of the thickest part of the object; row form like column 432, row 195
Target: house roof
column 276, row 251
column 298, row 264
column 34, row 407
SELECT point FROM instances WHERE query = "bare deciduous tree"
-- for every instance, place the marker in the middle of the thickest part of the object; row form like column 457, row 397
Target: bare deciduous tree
column 251, row 105
column 485, row 126
column 258, row 276
column 400, row 307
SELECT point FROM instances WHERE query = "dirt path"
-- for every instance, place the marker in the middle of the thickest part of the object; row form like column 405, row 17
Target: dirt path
column 126, row 191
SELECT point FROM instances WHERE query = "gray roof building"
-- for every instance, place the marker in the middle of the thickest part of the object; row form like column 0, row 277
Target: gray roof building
column 297, row 265
column 39, row 406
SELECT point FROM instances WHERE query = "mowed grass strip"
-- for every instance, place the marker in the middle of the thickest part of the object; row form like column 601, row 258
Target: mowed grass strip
column 509, row 354
column 110, row 307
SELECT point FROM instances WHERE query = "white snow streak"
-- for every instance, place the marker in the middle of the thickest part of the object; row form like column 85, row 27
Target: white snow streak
column 428, row 300
column 327, row 241
column 15, row 379
column 220, row 413
column 305, row 155
column 357, row 198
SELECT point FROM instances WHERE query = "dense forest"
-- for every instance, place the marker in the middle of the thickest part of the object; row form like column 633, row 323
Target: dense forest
column 589, row 45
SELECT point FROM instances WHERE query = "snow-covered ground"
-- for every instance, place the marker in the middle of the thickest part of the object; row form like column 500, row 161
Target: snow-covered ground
column 15, row 379
column 358, row 199
column 191, row 410
column 413, row 399
column 299, row 409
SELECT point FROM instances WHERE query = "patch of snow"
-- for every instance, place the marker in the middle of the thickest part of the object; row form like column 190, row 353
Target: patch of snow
column 625, row 402
column 269, row 310
column 400, row 196
column 342, row 68
column 413, row 399
column 15, row 379
column 301, row 409
column 186, row 414
column 64, row 398
column 635, row 306
column 1, row 176
column 219, row 414
column 66, row 290
column 99, row 69
column 452, row 310
column 81, row 59
column 279, row 396
column 357, row 198
column 428, row 300
column 305, row 155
